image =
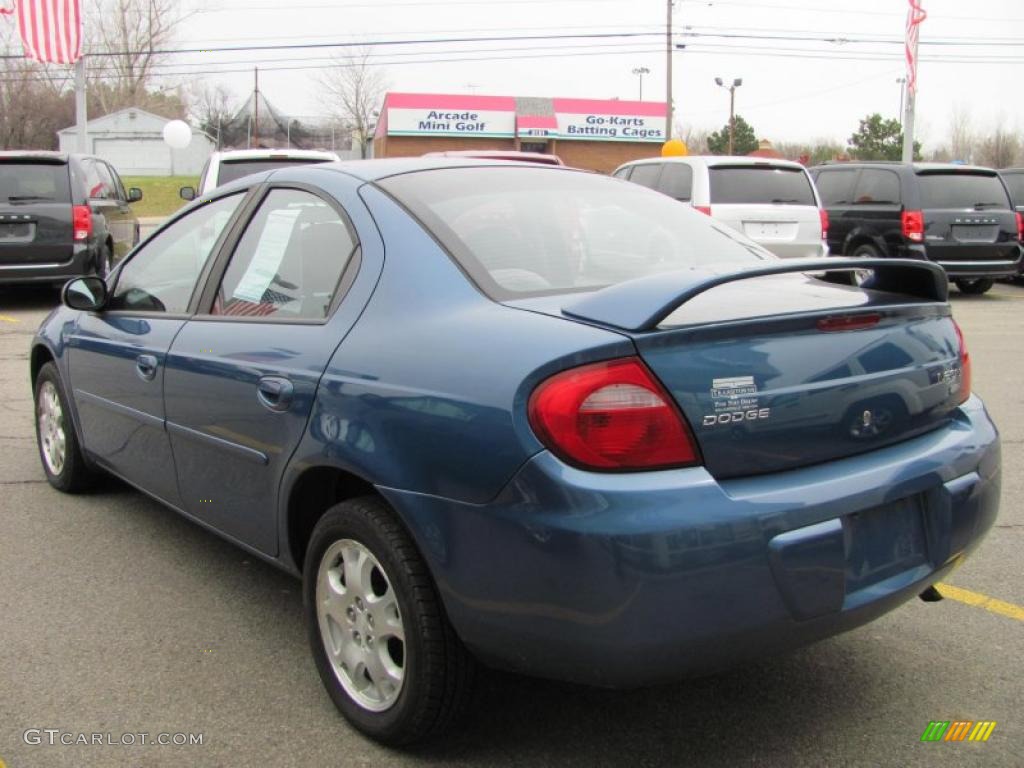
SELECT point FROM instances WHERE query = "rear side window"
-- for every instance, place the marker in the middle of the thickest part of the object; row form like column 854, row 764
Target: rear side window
column 753, row 185
column 677, row 181
column 959, row 189
column 289, row 261
column 875, row 187
column 1015, row 181
column 33, row 182
column 836, row 187
column 646, row 175
column 231, row 170
column 522, row 232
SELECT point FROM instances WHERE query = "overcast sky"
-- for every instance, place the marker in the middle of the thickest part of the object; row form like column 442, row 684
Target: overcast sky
column 792, row 90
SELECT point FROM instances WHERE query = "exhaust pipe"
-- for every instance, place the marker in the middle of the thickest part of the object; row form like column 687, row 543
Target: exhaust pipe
column 931, row 595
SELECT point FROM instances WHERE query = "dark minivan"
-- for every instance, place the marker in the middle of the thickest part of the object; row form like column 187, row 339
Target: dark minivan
column 958, row 216
column 62, row 216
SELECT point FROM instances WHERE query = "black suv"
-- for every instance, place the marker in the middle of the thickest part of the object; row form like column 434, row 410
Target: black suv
column 62, row 216
column 958, row 216
column 1014, row 180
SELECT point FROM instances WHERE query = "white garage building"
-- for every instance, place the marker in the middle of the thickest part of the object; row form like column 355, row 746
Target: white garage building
column 132, row 141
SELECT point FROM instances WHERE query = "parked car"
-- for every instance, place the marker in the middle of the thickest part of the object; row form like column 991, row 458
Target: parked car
column 958, row 216
column 773, row 202
column 62, row 216
column 499, row 154
column 566, row 427
column 224, row 167
column 1013, row 178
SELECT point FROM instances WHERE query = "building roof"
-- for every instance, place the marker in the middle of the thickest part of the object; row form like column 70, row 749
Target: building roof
column 96, row 122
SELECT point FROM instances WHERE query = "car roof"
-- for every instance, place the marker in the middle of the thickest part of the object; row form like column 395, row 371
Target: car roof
column 29, row 154
column 263, row 153
column 915, row 167
column 713, row 161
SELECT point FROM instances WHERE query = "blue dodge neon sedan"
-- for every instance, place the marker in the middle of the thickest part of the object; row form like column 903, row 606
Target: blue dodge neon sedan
column 523, row 416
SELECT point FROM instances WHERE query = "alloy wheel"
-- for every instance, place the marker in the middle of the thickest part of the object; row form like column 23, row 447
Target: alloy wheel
column 52, row 438
column 361, row 625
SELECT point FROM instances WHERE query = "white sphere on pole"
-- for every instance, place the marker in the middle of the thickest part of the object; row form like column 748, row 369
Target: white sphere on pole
column 177, row 134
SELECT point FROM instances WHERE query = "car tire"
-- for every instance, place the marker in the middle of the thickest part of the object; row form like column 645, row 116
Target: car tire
column 369, row 601
column 105, row 262
column 59, row 452
column 975, row 287
column 864, row 251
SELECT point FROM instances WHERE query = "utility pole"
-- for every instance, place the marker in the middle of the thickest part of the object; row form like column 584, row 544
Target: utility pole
column 256, row 108
column 915, row 17
column 81, row 117
column 668, row 67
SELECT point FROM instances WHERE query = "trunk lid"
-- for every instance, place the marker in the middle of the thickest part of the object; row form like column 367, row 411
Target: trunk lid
column 780, row 367
column 968, row 216
column 35, row 211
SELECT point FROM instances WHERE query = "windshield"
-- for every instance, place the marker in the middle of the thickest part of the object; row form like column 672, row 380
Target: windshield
column 232, row 170
column 958, row 189
column 33, row 182
column 523, row 232
column 752, row 184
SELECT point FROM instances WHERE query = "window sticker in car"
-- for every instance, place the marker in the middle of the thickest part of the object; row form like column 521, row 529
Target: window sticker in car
column 277, row 232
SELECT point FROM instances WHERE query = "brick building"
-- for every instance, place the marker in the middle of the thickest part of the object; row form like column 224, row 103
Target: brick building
column 585, row 133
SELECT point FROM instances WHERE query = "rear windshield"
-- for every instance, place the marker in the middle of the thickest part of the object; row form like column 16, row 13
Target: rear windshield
column 1015, row 181
column 760, row 184
column 231, row 170
column 33, row 182
column 957, row 189
column 523, row 232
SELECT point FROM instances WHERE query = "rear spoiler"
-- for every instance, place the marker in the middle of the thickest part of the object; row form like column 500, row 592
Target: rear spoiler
column 642, row 304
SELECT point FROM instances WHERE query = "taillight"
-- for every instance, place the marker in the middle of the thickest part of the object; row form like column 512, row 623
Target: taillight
column 81, row 221
column 912, row 223
column 824, row 223
column 612, row 415
column 965, row 365
column 705, row 209
column 1020, row 227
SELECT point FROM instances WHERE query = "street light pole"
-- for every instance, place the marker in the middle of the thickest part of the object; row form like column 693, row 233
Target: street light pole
column 640, row 72
column 903, row 89
column 732, row 108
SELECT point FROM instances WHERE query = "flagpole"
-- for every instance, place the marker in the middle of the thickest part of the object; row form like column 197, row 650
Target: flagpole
column 915, row 16
column 81, row 116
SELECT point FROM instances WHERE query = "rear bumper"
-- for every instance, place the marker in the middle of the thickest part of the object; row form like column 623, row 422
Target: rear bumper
column 968, row 268
column 815, row 250
column 80, row 263
column 626, row 580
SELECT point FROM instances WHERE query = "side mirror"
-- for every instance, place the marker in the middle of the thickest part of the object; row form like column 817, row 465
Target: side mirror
column 134, row 195
column 88, row 294
column 187, row 193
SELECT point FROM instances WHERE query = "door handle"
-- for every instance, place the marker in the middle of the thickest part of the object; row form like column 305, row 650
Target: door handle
column 275, row 393
column 145, row 366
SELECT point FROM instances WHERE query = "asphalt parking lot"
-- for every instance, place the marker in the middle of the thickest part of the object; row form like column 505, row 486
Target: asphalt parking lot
column 118, row 616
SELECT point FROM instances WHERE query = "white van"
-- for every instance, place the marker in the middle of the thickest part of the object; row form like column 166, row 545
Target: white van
column 233, row 164
column 773, row 202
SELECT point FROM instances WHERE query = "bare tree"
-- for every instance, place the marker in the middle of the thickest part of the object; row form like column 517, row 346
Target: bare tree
column 695, row 139
column 961, row 135
column 356, row 89
column 212, row 107
column 131, row 31
column 1000, row 148
column 35, row 99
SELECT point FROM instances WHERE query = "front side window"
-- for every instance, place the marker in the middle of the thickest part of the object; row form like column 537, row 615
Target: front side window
column 760, row 185
column 162, row 274
column 289, row 261
column 646, row 175
column 522, row 232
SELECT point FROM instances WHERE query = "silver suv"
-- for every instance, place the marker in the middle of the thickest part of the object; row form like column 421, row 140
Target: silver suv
column 773, row 202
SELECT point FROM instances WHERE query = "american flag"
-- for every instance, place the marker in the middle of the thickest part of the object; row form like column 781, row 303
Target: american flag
column 51, row 30
column 915, row 15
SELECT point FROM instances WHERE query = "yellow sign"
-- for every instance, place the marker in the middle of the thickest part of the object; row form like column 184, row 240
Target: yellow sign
column 674, row 148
